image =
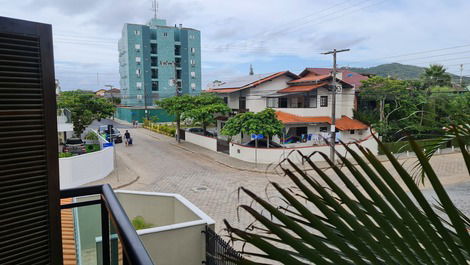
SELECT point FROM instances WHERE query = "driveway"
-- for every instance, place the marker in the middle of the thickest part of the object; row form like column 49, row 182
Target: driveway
column 156, row 163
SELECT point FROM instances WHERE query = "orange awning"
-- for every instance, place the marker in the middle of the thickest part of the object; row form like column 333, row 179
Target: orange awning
column 306, row 88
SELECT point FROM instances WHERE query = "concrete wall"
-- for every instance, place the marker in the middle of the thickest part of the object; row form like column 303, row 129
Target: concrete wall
column 275, row 155
column 255, row 97
column 204, row 141
column 81, row 169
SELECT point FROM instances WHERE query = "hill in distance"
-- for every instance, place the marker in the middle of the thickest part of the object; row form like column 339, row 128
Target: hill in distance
column 399, row 71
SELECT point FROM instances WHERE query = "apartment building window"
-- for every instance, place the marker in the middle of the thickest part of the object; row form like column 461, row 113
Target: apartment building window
column 153, row 48
column 272, row 102
column 193, row 86
column 137, row 72
column 193, row 75
column 138, row 85
column 324, row 101
column 137, row 47
column 178, row 74
column 242, row 103
column 193, row 50
column 138, row 60
column 193, row 62
column 177, row 50
column 165, row 34
column 154, row 85
column 282, row 103
column 137, row 32
column 154, row 61
column 154, row 73
column 139, row 97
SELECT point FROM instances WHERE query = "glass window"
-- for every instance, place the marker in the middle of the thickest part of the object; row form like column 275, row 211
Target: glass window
column 137, row 47
column 352, row 132
column 165, row 34
column 138, row 85
column 272, row 102
column 137, row 32
column 193, row 86
column 138, row 60
column 282, row 103
column 294, row 102
column 139, row 97
column 154, row 73
column 193, row 50
column 313, row 102
column 324, row 101
column 323, row 129
column 193, row 74
column 137, row 72
column 242, row 103
column 154, row 85
column 153, row 48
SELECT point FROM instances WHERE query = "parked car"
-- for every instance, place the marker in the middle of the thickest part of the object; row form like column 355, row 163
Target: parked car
column 262, row 143
column 116, row 133
column 74, row 146
column 200, row 131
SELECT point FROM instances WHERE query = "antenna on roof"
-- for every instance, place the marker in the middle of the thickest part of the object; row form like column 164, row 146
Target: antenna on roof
column 251, row 70
column 155, row 8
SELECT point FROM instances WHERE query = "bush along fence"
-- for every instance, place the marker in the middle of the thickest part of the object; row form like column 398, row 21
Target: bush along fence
column 165, row 129
column 404, row 146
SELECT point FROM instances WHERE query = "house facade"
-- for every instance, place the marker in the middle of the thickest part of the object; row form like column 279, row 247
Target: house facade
column 303, row 103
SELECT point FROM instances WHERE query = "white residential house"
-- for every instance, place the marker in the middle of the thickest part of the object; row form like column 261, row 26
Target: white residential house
column 302, row 102
column 64, row 126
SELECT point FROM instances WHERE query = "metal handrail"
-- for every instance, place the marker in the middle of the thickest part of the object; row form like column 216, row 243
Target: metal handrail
column 134, row 251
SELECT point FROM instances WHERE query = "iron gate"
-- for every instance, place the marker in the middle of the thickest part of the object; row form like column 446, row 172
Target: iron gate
column 219, row 252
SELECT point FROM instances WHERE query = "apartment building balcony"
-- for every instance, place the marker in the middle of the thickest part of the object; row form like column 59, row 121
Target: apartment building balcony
column 166, row 224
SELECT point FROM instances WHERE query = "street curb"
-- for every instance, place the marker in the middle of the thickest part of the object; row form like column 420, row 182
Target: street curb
column 127, row 184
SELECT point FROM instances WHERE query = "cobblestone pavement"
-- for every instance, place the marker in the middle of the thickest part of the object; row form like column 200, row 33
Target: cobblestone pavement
column 160, row 166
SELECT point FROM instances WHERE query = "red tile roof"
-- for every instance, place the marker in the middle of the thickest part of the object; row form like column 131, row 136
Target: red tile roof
column 305, row 88
column 346, row 123
column 222, row 90
column 350, row 77
column 285, row 117
column 343, row 124
column 311, row 77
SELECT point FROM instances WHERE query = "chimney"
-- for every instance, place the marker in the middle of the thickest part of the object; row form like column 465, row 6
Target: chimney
column 251, row 70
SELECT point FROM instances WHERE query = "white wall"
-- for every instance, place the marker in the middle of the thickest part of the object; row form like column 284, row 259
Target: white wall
column 81, row 169
column 255, row 96
column 275, row 155
column 204, row 141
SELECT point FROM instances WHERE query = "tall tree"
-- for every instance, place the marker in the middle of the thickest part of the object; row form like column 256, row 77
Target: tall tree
column 264, row 122
column 436, row 75
column 204, row 109
column 85, row 108
column 176, row 106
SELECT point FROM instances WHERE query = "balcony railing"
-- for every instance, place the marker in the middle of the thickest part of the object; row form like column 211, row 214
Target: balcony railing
column 133, row 251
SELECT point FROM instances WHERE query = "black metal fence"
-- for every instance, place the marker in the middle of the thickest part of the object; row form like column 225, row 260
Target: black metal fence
column 219, row 252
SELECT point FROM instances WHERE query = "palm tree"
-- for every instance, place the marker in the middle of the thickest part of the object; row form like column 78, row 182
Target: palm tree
column 435, row 75
column 366, row 218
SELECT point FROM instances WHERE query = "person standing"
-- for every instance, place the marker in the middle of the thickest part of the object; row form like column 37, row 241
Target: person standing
column 127, row 137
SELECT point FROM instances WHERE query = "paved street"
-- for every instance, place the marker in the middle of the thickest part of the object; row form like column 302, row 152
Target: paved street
column 156, row 163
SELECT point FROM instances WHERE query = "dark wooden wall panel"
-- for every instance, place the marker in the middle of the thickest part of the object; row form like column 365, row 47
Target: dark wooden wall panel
column 29, row 183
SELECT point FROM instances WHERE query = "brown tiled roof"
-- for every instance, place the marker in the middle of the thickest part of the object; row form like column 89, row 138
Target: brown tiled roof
column 346, row 123
column 311, row 77
column 343, row 124
column 68, row 234
column 349, row 77
column 305, row 88
column 285, row 117
column 222, row 90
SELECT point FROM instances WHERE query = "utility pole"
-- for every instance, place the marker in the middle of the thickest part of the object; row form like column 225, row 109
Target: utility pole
column 461, row 75
column 333, row 104
column 178, row 93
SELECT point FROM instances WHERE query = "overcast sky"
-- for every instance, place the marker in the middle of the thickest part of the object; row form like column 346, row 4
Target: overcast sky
column 273, row 35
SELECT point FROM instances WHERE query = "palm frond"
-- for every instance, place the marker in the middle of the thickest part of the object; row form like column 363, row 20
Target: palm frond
column 358, row 213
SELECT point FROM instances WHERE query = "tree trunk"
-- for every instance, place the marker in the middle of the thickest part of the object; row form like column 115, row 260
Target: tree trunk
column 204, row 127
column 382, row 110
column 178, row 120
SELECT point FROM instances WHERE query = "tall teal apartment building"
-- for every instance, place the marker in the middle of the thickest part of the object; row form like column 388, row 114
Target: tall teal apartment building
column 151, row 57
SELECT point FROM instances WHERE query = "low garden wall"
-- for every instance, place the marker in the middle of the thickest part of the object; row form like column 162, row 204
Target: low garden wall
column 204, row 141
column 81, row 169
column 275, row 155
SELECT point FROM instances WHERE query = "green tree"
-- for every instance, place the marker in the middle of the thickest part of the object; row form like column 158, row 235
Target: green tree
column 436, row 75
column 204, row 109
column 177, row 106
column 264, row 122
column 85, row 108
column 360, row 214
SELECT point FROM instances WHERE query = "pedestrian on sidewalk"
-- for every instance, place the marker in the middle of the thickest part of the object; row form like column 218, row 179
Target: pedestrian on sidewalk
column 127, row 136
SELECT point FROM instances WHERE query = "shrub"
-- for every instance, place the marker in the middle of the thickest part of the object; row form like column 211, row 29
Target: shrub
column 62, row 155
column 139, row 223
column 91, row 136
